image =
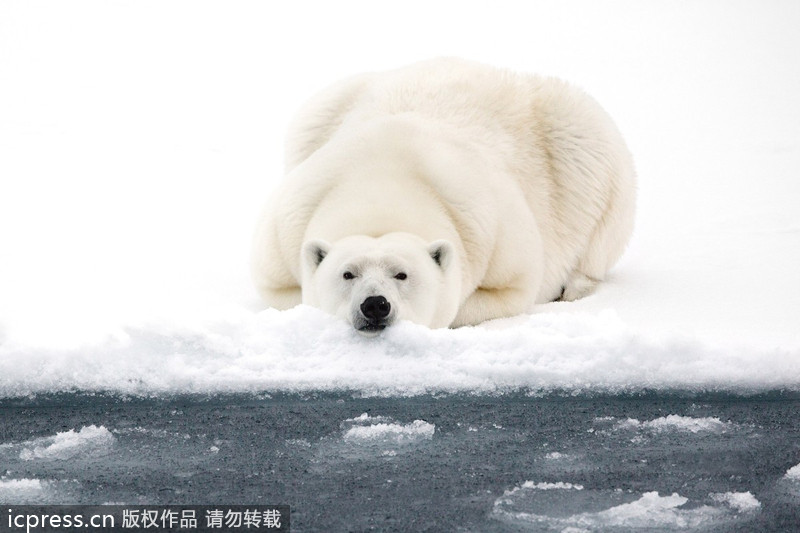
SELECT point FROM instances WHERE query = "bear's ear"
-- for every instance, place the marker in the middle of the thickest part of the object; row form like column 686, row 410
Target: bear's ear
column 441, row 252
column 314, row 252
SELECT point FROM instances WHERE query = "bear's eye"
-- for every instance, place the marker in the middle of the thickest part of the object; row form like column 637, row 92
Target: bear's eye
column 400, row 276
column 348, row 275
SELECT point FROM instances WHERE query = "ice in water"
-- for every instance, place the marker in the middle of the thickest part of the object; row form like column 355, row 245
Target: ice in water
column 367, row 430
column 370, row 437
column 67, row 444
column 559, row 506
column 793, row 474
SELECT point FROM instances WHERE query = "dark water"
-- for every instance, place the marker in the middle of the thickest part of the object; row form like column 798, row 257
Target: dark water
column 456, row 470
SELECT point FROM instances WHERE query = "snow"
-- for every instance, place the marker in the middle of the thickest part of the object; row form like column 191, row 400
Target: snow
column 304, row 349
column 133, row 171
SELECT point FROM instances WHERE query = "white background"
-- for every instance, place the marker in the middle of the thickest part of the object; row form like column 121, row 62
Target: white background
column 139, row 139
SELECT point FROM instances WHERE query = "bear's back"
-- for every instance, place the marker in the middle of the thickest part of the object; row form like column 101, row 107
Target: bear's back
column 488, row 105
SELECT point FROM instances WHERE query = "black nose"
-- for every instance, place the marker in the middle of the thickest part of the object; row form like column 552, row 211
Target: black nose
column 376, row 308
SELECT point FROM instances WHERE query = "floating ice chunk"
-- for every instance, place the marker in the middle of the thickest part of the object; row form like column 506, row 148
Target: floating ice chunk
column 383, row 432
column 371, row 437
column 560, row 485
column 652, row 510
column 364, row 418
column 793, row 474
column 555, row 456
column 517, row 494
column 298, row 443
column 28, row 491
column 370, row 429
column 68, row 444
column 19, row 485
column 677, row 423
column 20, row 491
column 532, row 504
column 740, row 501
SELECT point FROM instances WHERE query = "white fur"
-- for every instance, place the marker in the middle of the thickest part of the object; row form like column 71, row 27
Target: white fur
column 526, row 179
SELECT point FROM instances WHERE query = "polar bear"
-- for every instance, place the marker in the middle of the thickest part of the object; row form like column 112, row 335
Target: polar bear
column 445, row 193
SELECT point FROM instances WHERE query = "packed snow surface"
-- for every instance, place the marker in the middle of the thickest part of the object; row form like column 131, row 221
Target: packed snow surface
column 304, row 349
column 130, row 193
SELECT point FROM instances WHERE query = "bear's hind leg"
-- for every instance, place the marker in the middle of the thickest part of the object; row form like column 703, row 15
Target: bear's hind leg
column 608, row 239
column 577, row 286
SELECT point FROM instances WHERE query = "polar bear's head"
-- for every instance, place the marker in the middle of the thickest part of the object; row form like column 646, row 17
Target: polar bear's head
column 374, row 282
